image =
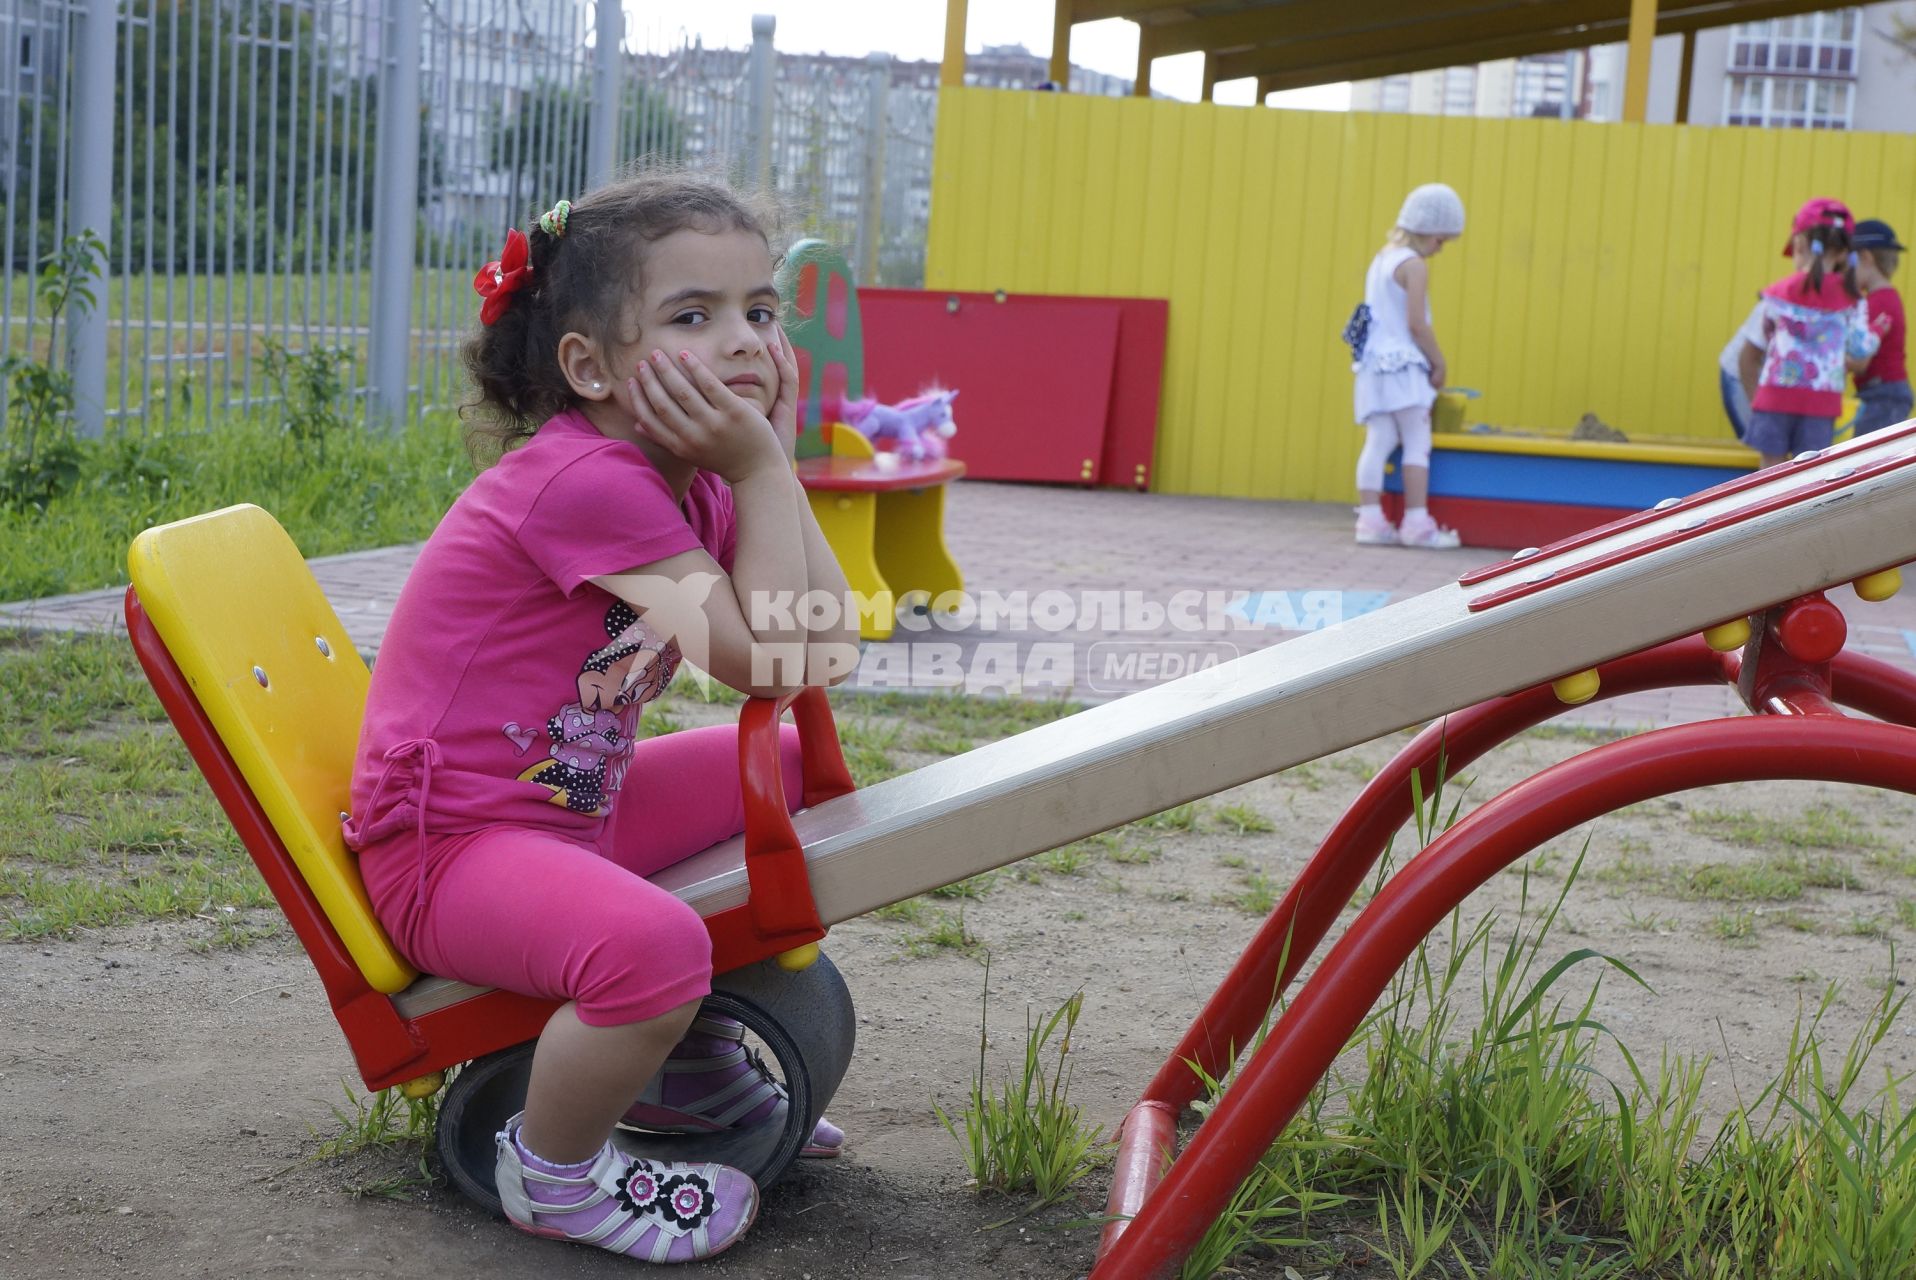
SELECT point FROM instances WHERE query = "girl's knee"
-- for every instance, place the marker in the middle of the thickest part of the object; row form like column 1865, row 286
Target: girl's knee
column 638, row 973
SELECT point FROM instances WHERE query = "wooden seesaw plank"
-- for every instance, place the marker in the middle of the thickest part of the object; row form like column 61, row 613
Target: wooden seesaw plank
column 1728, row 552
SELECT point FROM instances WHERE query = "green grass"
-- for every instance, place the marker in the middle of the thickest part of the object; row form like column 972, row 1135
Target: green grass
column 868, row 745
column 1778, row 878
column 953, row 717
column 104, row 818
column 943, row 931
column 1025, row 1137
column 1737, row 926
column 365, row 490
column 1259, row 894
column 972, row 888
column 1241, row 819
column 1818, row 827
column 1067, row 860
column 1182, row 817
column 442, row 299
column 1480, row 1133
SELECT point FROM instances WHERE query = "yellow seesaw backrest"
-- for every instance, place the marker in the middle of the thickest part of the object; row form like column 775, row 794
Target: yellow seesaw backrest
column 271, row 665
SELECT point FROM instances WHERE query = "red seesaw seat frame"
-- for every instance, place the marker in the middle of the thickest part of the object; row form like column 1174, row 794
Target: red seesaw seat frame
column 392, row 1046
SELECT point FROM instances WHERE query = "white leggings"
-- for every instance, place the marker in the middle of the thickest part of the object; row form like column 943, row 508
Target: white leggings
column 1384, row 432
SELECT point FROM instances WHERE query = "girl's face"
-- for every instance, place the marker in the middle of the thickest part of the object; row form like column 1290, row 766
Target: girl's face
column 1431, row 246
column 710, row 294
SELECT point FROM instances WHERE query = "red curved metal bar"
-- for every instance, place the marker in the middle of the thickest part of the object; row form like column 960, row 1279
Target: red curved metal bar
column 1307, row 1037
column 1231, row 1017
column 1874, row 687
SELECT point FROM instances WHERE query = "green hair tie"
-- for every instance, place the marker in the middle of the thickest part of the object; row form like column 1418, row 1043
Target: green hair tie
column 552, row 221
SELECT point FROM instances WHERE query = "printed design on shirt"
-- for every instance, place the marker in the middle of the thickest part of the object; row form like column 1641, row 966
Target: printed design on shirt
column 591, row 737
column 1806, row 348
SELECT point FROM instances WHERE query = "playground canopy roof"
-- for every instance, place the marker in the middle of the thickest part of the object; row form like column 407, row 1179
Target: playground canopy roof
column 1289, row 44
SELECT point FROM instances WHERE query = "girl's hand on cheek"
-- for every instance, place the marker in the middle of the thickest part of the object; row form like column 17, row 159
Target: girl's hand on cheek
column 645, row 419
column 712, row 427
column 785, row 408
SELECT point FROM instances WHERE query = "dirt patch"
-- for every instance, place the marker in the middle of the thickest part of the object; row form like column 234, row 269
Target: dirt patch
column 165, row 1102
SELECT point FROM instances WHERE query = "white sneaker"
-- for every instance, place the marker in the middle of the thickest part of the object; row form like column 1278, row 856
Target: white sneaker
column 1375, row 531
column 1427, row 533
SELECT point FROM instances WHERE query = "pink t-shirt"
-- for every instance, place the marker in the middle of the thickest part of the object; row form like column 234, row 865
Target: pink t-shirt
column 508, row 687
column 1810, row 337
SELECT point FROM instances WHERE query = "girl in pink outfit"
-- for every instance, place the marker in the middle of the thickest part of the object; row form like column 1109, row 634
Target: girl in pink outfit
column 1814, row 322
column 641, row 395
column 1400, row 368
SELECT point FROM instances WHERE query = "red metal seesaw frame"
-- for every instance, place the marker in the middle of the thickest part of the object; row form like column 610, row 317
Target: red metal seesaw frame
column 1793, row 673
column 391, row 1048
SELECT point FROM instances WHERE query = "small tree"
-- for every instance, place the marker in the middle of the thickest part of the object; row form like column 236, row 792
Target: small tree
column 40, row 456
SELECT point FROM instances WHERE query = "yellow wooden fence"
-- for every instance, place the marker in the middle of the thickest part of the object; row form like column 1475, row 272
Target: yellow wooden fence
column 1603, row 269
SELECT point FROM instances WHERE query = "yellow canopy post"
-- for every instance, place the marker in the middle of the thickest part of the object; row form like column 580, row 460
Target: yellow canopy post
column 1685, row 79
column 1061, row 44
column 1141, row 87
column 951, row 73
column 1636, row 79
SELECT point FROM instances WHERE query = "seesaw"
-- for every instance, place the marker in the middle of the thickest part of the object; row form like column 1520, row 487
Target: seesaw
column 221, row 603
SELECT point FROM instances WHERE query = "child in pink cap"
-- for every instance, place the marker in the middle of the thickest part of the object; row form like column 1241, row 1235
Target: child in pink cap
column 1814, row 321
column 506, row 807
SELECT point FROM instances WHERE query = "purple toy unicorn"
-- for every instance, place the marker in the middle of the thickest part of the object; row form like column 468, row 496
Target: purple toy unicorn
column 914, row 429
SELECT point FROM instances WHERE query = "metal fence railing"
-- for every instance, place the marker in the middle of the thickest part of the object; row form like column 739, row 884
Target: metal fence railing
column 239, row 160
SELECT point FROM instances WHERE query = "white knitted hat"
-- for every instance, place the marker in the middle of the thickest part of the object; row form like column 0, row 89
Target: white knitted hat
column 1432, row 210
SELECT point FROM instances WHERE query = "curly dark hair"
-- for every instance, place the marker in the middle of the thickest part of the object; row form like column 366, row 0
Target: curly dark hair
column 581, row 282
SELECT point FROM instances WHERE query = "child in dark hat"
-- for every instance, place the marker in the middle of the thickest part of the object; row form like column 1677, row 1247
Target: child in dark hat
column 1882, row 383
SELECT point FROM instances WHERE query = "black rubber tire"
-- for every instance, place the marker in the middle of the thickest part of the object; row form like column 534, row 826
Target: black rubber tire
column 805, row 1021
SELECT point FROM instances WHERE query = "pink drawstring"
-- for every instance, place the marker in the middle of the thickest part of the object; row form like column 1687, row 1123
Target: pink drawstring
column 427, row 752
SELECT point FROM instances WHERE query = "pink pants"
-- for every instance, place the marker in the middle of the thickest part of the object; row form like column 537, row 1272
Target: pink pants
column 555, row 916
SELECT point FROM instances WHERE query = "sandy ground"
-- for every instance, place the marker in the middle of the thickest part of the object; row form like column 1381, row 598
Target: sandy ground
column 164, row 1102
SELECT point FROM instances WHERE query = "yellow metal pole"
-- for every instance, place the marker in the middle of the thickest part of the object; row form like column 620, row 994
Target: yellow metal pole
column 1684, row 80
column 951, row 73
column 1061, row 44
column 1210, row 78
column 1636, row 79
column 1141, row 87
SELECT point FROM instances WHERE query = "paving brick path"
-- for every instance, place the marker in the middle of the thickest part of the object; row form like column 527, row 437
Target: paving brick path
column 1288, row 564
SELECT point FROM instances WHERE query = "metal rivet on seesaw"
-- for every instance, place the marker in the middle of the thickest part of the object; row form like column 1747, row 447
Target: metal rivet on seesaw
column 1808, row 455
column 1542, row 575
column 1696, row 523
column 1577, row 689
column 259, row 674
column 325, row 650
column 1526, row 553
column 1666, row 504
column 1727, row 636
column 1844, row 474
column 1878, row 587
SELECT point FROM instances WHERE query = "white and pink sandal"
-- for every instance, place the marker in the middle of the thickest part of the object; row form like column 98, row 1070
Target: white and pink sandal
column 712, row 1081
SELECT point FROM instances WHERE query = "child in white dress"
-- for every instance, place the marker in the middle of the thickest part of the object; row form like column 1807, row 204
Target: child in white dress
column 1400, row 369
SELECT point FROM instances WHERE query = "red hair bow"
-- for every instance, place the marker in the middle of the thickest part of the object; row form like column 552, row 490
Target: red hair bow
column 497, row 281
